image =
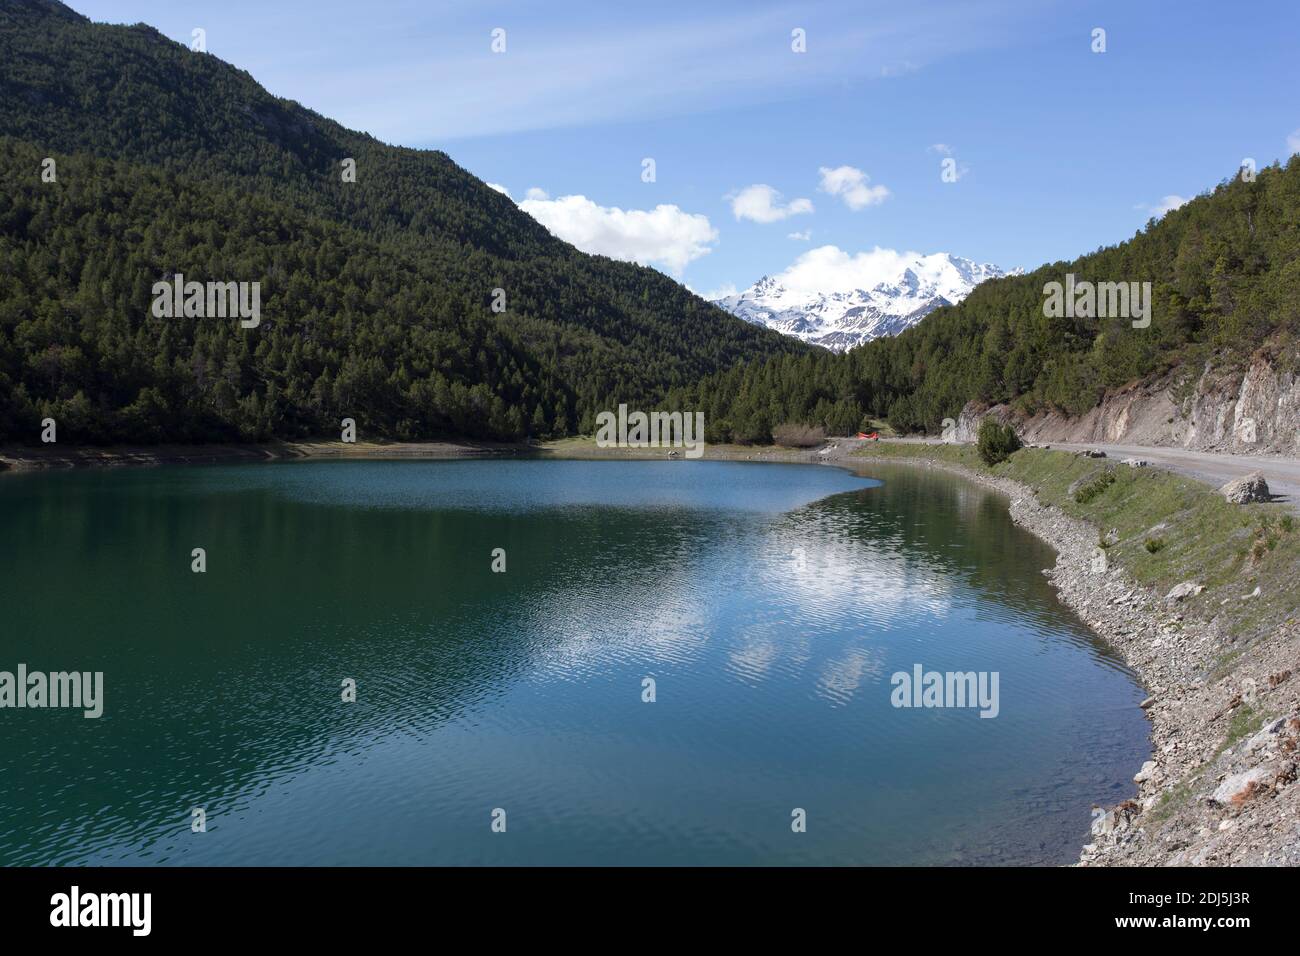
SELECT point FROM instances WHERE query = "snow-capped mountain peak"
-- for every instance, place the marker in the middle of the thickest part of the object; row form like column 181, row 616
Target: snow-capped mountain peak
column 832, row 299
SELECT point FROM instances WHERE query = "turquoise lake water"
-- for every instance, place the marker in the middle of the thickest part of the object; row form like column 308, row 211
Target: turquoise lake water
column 770, row 605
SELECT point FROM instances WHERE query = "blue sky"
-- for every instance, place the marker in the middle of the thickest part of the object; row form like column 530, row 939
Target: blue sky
column 1058, row 150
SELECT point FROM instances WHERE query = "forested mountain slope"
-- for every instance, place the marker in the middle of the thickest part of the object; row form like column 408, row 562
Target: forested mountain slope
column 376, row 293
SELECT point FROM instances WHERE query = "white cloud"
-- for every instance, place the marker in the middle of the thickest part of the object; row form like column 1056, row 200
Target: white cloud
column 803, row 236
column 499, row 188
column 943, row 148
column 724, row 290
column 850, row 184
column 1167, row 204
column 1293, row 143
column 831, row 269
column 762, row 203
column 665, row 235
column 540, row 195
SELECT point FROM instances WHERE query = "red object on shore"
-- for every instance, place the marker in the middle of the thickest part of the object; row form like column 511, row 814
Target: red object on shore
column 874, row 436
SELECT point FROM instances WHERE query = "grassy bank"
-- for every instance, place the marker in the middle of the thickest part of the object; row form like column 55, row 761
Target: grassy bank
column 1167, row 529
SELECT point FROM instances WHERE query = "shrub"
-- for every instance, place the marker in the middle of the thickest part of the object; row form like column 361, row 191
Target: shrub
column 996, row 442
column 1155, row 544
column 791, row 435
column 1095, row 487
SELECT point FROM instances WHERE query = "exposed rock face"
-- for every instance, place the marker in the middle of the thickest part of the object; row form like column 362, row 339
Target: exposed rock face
column 968, row 422
column 1247, row 412
column 1250, row 487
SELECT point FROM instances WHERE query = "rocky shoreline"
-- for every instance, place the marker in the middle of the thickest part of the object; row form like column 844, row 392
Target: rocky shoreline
column 1221, row 787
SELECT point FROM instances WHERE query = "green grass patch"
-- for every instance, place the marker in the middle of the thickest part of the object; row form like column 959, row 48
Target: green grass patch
column 1245, row 721
column 1171, row 801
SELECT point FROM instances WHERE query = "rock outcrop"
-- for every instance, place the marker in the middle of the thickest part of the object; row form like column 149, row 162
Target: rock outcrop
column 1250, row 411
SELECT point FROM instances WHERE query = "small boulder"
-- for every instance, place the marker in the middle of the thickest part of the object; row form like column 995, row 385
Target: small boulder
column 1184, row 590
column 1240, row 787
column 1136, row 462
column 1149, row 771
column 1247, row 488
column 1266, row 736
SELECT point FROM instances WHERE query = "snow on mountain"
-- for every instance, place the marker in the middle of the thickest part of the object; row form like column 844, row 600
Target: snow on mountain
column 837, row 300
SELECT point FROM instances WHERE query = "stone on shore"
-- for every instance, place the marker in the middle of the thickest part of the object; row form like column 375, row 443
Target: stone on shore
column 1239, row 788
column 1149, row 771
column 1184, row 590
column 1269, row 735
